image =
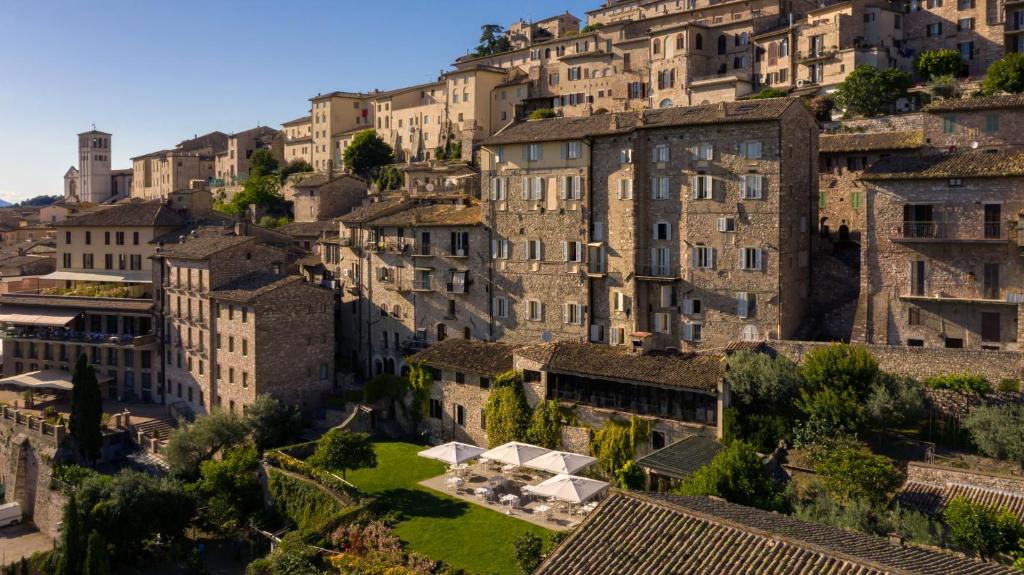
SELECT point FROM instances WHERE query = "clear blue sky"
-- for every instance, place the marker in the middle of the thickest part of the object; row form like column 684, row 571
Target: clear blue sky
column 156, row 72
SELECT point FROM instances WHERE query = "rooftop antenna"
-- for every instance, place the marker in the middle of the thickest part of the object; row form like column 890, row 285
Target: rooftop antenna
column 94, row 126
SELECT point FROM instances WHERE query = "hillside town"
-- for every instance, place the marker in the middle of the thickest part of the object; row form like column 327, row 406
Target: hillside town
column 671, row 286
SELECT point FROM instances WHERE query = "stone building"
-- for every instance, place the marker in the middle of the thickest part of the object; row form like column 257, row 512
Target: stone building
column 157, row 174
column 333, row 115
column 679, row 394
column 298, row 140
column 651, row 252
column 941, row 266
column 972, row 27
column 234, row 325
column 94, row 180
column 231, row 165
column 318, row 196
column 982, row 123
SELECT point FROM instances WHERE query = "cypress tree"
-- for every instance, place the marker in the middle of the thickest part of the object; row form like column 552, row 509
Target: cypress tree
column 86, row 410
column 97, row 561
column 71, row 558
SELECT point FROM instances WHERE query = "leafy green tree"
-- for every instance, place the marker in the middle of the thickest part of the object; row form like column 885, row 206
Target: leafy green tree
column 998, row 431
column 508, row 415
column 367, row 153
column 758, row 380
column 968, row 386
column 736, row 474
column 262, row 191
column 851, row 473
column 840, row 366
column 934, row 63
column 294, row 167
column 421, row 381
column 38, row 201
column 769, row 93
column 72, row 558
column 262, row 163
column 828, row 413
column 492, row 41
column 271, row 422
column 229, row 489
column 895, row 401
column 191, row 444
column 543, row 114
column 612, row 446
column 545, row 427
column 1005, row 75
column 527, row 552
column 86, row 410
column 870, row 92
column 344, row 450
column 762, row 430
column 630, row 476
column 97, row 559
column 982, row 529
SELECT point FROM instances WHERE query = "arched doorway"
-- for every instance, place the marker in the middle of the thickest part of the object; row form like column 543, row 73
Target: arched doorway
column 844, row 233
column 823, row 227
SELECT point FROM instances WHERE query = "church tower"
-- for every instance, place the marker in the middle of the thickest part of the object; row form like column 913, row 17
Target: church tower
column 94, row 166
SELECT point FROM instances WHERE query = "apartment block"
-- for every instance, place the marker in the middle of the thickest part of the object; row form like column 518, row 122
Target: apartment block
column 232, row 164
column 667, row 220
column 333, row 115
column 298, row 140
column 975, row 28
column 413, row 120
column 157, row 174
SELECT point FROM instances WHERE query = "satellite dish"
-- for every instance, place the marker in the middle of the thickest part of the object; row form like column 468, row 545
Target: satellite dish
column 430, row 187
column 974, row 145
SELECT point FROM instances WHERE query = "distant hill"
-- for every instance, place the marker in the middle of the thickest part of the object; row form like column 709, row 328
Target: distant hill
column 4, row 204
column 35, row 202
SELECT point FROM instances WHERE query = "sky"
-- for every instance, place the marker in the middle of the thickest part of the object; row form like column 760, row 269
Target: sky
column 153, row 73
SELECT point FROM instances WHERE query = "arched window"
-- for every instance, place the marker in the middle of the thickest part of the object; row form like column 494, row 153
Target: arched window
column 721, row 44
column 698, row 42
column 656, row 47
column 666, row 103
column 680, row 41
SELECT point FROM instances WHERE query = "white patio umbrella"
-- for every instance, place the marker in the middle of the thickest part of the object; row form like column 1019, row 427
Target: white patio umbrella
column 561, row 462
column 569, row 488
column 452, row 453
column 514, row 453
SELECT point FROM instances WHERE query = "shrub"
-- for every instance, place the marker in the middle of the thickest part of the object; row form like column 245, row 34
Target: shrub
column 982, row 529
column 344, row 450
column 630, row 476
column 527, row 552
column 895, row 401
column 821, row 107
column 998, row 431
column 546, row 425
column 964, row 383
column 869, row 91
column 769, row 93
column 933, row 63
column 840, row 366
column 756, row 380
column 854, row 474
column 762, row 430
column 506, row 410
column 542, row 114
column 1005, row 75
column 736, row 474
column 1009, row 385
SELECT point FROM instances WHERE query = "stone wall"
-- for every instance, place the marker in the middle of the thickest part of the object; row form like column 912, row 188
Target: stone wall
column 897, row 123
column 940, row 476
column 26, row 455
column 922, row 362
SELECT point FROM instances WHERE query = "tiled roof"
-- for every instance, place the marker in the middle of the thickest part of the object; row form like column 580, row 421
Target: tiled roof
column 979, row 103
column 309, row 228
column 683, row 457
column 932, row 499
column 744, row 345
column 669, row 534
column 203, row 246
column 252, row 286
column 302, row 120
column 365, row 213
column 432, row 215
column 695, row 371
column 133, row 214
column 556, row 129
column 957, row 165
column 79, row 302
column 469, row 356
column 866, row 142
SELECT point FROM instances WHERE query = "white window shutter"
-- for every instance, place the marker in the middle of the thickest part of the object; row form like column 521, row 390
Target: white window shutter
column 526, row 183
column 741, row 305
column 622, row 186
column 565, row 313
column 743, row 187
column 494, row 189
column 687, row 332
column 654, row 187
column 540, row 250
column 526, row 152
column 565, row 251
column 761, row 260
column 562, row 185
column 542, row 185
column 713, row 252
column 688, row 306
column 563, row 150
column 577, row 186
column 494, row 248
column 526, row 250
column 629, row 189
column 721, row 224
column 599, row 231
column 666, row 296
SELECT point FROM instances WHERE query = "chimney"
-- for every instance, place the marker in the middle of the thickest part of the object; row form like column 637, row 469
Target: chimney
column 896, row 540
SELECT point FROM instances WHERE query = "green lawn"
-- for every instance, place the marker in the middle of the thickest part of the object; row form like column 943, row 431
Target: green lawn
column 442, row 527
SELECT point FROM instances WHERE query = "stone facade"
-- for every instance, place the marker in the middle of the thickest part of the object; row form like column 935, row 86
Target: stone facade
column 26, row 458
column 315, row 199
column 157, row 174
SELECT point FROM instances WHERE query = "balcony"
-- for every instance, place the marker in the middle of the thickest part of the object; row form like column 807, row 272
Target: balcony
column 664, row 272
column 60, row 335
column 422, row 250
column 965, row 293
column 816, row 55
column 937, row 231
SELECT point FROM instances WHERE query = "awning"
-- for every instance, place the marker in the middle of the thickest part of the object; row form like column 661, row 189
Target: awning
column 26, row 315
column 101, row 276
column 52, row 379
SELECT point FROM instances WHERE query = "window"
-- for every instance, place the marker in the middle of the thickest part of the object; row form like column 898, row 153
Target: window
column 746, row 305
column 499, row 189
column 750, row 150
column 87, row 260
column 460, row 377
column 533, row 188
column 573, row 150
column 456, row 284
column 703, row 185
column 990, row 328
column 965, row 24
column 436, row 410
column 533, row 152
column 460, row 415
column 703, row 152
column 499, row 249
column 855, row 199
column 964, row 4
column 626, row 189
column 621, row 302
column 572, row 251
column 913, row 315
column 703, row 257
column 662, row 231
column 751, row 186
column 659, row 187
column 572, row 187
column 626, row 156
column 662, row 323
column 692, row 332
column 992, row 122
column 917, row 278
column 750, row 259
column 661, row 153
column 534, row 250
column 966, row 50
column 500, row 306
column 108, row 261
column 534, row 310
column 934, row 29
column 573, row 314
column 119, row 238
column 726, row 224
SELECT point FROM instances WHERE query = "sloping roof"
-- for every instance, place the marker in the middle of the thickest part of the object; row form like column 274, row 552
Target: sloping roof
column 980, row 103
column 316, row 179
column 132, row 214
column 555, row 129
column 216, row 141
column 481, row 357
column 203, row 246
column 79, row 302
column 633, row 533
column 682, row 458
column 251, row 286
column 866, row 142
column 305, row 229
column 432, row 215
column 932, row 499
column 302, row 120
column 695, row 371
column 365, row 213
column 958, row 165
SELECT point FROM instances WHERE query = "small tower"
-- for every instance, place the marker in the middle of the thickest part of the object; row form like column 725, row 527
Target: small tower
column 94, row 166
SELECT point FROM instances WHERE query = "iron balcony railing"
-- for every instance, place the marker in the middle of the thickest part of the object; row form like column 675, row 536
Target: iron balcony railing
column 954, row 231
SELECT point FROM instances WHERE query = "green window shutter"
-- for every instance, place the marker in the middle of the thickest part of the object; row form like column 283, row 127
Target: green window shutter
column 855, row 200
column 822, row 201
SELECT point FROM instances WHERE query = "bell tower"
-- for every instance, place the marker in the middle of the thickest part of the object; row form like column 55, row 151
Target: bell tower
column 94, row 166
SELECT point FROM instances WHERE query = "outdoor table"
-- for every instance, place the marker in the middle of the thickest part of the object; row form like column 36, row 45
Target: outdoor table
column 496, row 481
column 508, row 468
column 455, row 482
column 512, row 500
column 542, row 510
column 483, row 492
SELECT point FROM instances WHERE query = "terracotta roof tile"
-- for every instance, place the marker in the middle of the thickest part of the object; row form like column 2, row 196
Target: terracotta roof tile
column 668, row 534
column 979, row 103
column 866, row 142
column 932, row 499
column 432, row 215
column 365, row 213
column 958, row 165
column 309, row 228
column 251, row 286
column 481, row 357
column 203, row 246
column 132, row 214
